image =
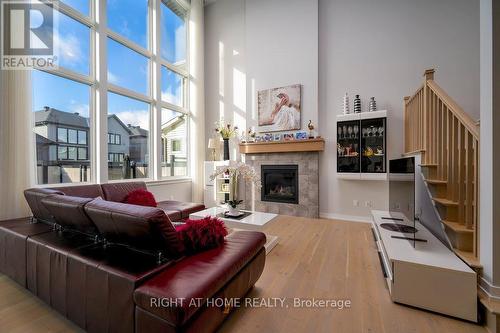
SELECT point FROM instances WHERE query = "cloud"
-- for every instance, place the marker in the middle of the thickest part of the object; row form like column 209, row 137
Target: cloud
column 134, row 118
column 69, row 48
column 124, row 29
column 172, row 94
column 112, row 78
column 81, row 108
column 167, row 96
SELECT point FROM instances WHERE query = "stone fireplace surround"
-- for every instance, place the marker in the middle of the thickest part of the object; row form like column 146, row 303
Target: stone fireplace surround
column 308, row 164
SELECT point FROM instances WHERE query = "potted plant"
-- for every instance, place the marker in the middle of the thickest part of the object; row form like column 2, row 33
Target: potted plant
column 226, row 131
column 233, row 207
column 236, row 171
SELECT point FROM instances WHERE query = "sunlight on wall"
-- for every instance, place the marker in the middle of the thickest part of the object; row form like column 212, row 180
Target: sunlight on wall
column 254, row 105
column 221, row 109
column 221, row 69
column 239, row 90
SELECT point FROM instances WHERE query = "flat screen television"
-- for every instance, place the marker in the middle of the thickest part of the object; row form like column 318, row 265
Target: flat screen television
column 408, row 194
column 402, row 186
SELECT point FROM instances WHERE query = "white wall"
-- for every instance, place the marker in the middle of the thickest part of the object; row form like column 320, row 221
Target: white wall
column 179, row 191
column 253, row 45
column 372, row 48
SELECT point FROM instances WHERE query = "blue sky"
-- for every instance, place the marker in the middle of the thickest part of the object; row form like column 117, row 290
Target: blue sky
column 126, row 68
column 80, row 5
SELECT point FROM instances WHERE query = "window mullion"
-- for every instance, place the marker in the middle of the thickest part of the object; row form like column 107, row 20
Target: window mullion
column 155, row 21
column 174, row 107
column 173, row 68
column 128, row 93
column 125, row 42
column 76, row 15
column 101, row 100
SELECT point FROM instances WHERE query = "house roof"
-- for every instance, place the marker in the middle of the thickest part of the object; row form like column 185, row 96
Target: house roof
column 137, row 131
column 114, row 116
column 54, row 116
column 41, row 140
column 172, row 123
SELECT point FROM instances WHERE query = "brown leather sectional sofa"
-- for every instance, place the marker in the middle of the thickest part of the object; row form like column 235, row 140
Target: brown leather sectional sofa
column 114, row 267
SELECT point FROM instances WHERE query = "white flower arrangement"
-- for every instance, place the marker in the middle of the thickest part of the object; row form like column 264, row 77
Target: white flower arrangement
column 233, row 172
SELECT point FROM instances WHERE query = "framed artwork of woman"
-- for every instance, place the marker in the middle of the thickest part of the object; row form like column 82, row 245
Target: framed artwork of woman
column 279, row 108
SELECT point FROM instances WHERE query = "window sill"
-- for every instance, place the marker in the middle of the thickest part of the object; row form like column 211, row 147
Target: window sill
column 149, row 182
column 168, row 181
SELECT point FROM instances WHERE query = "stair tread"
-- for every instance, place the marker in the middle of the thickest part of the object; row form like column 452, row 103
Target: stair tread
column 445, row 202
column 457, row 227
column 492, row 305
column 436, row 181
column 469, row 258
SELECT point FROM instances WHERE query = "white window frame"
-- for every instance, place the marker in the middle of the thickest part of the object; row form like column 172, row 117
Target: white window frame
column 97, row 137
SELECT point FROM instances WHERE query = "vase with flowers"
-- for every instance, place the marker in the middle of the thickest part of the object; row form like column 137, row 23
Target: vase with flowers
column 236, row 171
column 226, row 131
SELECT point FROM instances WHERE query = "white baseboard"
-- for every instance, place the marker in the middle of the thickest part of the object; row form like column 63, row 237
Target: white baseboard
column 350, row 218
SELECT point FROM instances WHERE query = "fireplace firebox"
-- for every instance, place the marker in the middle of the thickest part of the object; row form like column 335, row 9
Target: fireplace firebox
column 280, row 183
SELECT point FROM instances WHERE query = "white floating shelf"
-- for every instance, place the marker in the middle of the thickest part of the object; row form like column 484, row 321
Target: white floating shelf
column 361, row 176
column 349, row 175
column 362, row 115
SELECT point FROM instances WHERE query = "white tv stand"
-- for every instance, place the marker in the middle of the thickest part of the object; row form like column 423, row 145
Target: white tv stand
column 429, row 275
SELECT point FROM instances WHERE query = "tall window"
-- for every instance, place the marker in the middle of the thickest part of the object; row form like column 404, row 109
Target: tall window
column 64, row 100
column 174, row 112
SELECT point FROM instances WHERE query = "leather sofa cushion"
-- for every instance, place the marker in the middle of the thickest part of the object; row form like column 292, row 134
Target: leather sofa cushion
column 13, row 236
column 84, row 191
column 173, row 215
column 105, row 284
column 69, row 212
column 199, row 276
column 173, row 212
column 46, row 264
column 209, row 317
column 185, row 208
column 34, row 198
column 90, row 284
column 142, row 227
column 118, row 191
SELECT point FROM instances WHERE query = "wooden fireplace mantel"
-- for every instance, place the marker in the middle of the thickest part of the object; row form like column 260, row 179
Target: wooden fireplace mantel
column 283, row 146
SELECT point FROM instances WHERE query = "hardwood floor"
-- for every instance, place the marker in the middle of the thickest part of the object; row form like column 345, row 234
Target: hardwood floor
column 21, row 312
column 322, row 259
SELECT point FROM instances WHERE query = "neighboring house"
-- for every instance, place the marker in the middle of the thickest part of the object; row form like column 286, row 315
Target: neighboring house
column 118, row 139
column 174, row 138
column 174, row 147
column 62, row 146
column 62, row 141
column 61, row 136
column 44, row 152
column 138, row 144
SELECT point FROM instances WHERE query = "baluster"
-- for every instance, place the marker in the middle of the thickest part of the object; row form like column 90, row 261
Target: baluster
column 439, row 140
column 468, row 180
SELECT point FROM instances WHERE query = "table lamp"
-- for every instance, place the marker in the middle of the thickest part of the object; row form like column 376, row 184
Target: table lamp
column 212, row 144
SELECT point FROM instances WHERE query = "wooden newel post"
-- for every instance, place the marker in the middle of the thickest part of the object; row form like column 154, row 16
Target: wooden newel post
column 429, row 74
column 406, row 120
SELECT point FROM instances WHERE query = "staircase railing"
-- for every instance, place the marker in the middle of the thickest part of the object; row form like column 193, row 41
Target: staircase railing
column 448, row 139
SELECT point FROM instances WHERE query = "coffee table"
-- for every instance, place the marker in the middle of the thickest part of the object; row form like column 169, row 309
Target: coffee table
column 254, row 222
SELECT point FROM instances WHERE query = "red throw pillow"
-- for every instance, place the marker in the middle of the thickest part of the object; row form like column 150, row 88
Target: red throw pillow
column 204, row 234
column 141, row 197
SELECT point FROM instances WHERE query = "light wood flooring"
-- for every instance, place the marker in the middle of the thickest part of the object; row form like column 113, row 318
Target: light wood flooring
column 322, row 259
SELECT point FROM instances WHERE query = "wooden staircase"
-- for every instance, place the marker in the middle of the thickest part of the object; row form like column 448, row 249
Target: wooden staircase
column 448, row 140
